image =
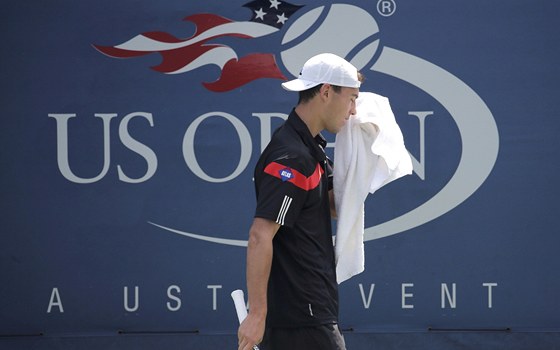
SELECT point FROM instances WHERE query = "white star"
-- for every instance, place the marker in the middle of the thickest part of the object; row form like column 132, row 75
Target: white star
column 274, row 3
column 260, row 14
column 282, row 19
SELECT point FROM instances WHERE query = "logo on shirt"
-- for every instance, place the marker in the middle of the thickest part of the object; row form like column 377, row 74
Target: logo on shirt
column 286, row 174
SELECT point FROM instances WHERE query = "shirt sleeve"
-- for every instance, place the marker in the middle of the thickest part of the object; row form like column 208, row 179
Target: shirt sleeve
column 283, row 190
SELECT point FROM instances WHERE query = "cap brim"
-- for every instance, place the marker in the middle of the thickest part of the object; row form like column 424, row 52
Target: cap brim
column 299, row 85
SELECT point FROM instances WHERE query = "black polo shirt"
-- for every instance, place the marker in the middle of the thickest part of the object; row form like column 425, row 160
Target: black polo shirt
column 292, row 184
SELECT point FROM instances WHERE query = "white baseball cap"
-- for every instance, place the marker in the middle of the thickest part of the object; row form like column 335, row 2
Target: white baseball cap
column 324, row 68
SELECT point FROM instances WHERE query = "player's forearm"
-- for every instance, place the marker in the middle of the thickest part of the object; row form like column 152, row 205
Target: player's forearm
column 259, row 260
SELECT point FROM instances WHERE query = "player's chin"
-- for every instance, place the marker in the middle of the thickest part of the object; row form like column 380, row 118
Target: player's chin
column 336, row 128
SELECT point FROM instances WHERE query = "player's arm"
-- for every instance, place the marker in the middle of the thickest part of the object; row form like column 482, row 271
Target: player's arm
column 334, row 215
column 329, row 169
column 259, row 261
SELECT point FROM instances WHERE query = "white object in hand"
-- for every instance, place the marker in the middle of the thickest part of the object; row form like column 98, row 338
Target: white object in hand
column 239, row 301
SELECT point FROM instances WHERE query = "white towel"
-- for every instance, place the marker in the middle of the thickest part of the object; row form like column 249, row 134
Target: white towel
column 369, row 153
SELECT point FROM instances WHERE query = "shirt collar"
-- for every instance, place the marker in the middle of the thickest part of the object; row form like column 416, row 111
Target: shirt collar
column 316, row 144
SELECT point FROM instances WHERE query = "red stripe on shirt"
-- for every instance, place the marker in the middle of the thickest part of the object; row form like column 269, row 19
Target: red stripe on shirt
column 304, row 182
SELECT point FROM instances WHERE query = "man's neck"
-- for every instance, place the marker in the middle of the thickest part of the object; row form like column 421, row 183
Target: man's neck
column 308, row 113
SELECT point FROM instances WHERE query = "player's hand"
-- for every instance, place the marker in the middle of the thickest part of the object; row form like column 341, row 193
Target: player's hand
column 250, row 332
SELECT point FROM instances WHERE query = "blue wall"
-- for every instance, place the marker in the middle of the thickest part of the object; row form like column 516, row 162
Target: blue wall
column 127, row 192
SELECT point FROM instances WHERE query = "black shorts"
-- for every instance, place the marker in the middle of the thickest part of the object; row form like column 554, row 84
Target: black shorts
column 323, row 337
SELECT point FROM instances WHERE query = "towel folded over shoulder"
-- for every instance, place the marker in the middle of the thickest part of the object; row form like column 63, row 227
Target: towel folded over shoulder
column 369, row 153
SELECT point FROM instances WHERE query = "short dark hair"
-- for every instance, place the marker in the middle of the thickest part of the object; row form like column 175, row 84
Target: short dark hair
column 307, row 95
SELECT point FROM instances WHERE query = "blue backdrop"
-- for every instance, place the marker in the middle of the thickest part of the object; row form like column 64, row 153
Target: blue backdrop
column 130, row 131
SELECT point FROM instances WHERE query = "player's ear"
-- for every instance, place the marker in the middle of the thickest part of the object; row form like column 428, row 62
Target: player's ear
column 325, row 90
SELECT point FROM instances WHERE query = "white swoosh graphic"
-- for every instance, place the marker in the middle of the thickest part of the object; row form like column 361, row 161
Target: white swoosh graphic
column 479, row 138
column 145, row 44
column 234, row 242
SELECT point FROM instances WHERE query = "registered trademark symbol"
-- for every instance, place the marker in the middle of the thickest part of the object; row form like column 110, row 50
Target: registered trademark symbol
column 386, row 8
